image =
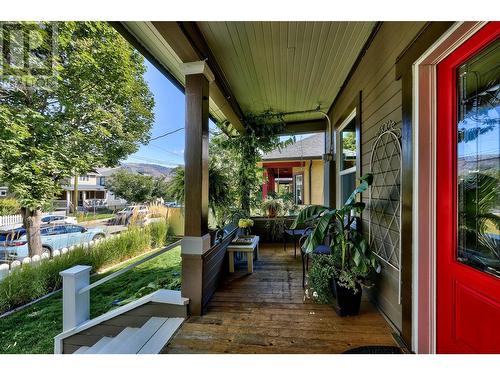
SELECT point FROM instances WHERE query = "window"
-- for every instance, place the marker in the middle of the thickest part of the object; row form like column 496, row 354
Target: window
column 3, row 193
column 346, row 158
column 298, row 183
column 478, row 161
column 84, row 178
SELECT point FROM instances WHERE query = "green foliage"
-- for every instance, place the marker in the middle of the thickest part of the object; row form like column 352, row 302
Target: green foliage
column 96, row 113
column 320, row 275
column 32, row 330
column 9, row 206
column 219, row 196
column 137, row 188
column 351, row 255
column 32, row 281
column 261, row 135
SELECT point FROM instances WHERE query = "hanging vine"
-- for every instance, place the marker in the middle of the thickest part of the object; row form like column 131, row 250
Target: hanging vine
column 261, row 136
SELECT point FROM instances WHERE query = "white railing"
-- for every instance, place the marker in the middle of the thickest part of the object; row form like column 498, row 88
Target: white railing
column 76, row 288
column 10, row 220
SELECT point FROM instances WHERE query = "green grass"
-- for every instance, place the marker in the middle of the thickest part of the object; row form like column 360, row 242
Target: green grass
column 88, row 216
column 32, row 330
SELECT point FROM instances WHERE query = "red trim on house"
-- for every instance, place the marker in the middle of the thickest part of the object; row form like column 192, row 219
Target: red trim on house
column 284, row 164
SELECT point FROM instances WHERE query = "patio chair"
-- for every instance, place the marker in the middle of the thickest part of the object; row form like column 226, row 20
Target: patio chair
column 294, row 234
column 320, row 249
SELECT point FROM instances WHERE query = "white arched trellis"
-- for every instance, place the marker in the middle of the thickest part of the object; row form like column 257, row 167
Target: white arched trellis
column 385, row 198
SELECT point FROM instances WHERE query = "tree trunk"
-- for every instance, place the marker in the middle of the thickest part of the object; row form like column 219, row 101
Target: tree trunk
column 75, row 196
column 32, row 221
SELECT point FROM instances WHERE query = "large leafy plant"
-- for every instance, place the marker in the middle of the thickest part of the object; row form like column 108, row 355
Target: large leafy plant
column 351, row 259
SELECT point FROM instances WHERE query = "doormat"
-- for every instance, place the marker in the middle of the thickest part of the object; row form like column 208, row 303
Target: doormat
column 374, row 350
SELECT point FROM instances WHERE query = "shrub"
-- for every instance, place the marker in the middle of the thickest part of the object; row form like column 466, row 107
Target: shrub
column 32, row 281
column 9, row 206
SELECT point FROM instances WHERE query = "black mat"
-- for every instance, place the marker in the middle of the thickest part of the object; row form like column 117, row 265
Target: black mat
column 374, row 350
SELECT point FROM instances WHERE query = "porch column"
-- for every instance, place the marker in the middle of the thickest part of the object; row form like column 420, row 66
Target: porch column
column 271, row 182
column 196, row 239
column 264, row 184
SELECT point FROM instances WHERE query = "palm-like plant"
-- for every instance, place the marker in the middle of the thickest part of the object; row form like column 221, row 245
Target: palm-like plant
column 350, row 251
column 219, row 197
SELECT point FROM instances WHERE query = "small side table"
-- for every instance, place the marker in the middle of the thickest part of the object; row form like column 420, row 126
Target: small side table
column 248, row 248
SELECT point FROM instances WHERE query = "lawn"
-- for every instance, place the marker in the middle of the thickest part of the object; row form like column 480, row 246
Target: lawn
column 32, row 330
column 88, row 216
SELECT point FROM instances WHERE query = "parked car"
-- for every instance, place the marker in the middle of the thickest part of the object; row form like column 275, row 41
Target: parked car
column 58, row 219
column 138, row 211
column 14, row 244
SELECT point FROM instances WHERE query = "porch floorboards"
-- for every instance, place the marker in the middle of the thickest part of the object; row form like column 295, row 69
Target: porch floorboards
column 265, row 312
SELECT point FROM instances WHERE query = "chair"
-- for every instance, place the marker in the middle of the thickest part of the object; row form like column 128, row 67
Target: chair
column 294, row 233
column 320, row 249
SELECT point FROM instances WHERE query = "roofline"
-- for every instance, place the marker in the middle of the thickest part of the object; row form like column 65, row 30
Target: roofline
column 305, row 158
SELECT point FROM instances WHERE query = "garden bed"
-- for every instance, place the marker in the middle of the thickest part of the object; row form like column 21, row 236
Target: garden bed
column 32, row 281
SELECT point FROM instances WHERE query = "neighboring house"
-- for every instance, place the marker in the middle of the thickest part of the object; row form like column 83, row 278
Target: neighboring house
column 297, row 168
column 92, row 193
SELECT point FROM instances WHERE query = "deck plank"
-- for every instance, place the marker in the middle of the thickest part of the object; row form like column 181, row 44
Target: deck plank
column 266, row 312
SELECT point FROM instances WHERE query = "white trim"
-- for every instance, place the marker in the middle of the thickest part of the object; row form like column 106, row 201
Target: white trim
column 195, row 245
column 440, row 49
column 338, row 147
column 197, row 67
column 347, row 171
column 171, row 297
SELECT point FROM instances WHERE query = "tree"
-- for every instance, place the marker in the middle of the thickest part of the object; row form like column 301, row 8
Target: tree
column 96, row 113
column 137, row 188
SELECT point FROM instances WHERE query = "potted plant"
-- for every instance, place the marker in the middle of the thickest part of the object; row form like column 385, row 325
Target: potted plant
column 272, row 207
column 342, row 272
column 245, row 225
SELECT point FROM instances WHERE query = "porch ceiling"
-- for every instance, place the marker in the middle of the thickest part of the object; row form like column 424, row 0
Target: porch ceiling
column 286, row 66
column 282, row 66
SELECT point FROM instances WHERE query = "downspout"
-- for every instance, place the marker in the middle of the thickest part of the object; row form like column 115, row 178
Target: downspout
column 310, row 181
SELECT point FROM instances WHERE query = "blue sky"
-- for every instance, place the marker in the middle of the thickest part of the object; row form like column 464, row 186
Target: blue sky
column 169, row 115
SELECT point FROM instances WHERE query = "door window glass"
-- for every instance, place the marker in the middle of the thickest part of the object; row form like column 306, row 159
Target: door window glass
column 478, row 161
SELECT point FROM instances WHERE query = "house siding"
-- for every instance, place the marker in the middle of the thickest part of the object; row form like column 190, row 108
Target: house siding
column 381, row 100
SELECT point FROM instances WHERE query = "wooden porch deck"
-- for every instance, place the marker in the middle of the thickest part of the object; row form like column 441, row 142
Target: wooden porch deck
column 265, row 312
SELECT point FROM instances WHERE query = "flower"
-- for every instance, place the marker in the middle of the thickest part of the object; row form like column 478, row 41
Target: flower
column 245, row 223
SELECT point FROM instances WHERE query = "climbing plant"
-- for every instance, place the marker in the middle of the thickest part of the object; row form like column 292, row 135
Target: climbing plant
column 261, row 135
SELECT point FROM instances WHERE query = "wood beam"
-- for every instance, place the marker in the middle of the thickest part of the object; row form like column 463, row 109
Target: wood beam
column 188, row 43
column 304, row 127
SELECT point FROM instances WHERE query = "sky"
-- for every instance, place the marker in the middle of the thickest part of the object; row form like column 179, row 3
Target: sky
column 169, row 115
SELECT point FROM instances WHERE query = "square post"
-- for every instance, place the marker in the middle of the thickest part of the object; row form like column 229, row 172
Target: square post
column 196, row 238
column 76, row 306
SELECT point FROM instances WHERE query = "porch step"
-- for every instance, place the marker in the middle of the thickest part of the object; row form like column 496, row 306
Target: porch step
column 115, row 343
column 149, row 339
column 163, row 308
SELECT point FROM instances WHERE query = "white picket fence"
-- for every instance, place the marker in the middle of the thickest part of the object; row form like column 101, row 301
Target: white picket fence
column 6, row 268
column 10, row 220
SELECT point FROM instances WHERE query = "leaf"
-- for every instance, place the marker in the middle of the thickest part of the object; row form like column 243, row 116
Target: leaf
column 366, row 181
column 320, row 231
column 308, row 214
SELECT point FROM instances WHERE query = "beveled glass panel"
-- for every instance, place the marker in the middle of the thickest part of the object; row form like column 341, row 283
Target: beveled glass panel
column 478, row 161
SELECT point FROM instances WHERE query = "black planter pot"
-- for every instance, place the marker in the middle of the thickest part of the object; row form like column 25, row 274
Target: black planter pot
column 347, row 302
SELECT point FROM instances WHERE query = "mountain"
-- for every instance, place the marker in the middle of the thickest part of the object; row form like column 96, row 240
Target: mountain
column 154, row 170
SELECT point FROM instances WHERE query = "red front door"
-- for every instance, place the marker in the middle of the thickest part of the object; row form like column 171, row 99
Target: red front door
column 468, row 196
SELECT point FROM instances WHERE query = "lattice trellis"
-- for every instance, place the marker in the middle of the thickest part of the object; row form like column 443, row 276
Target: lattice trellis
column 385, row 197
